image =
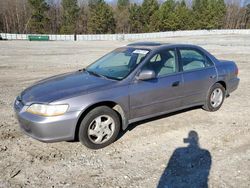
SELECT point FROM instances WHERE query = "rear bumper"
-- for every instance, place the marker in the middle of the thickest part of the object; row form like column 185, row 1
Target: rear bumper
column 47, row 129
column 232, row 85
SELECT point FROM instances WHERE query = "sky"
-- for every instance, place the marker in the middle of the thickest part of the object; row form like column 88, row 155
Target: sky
column 246, row 2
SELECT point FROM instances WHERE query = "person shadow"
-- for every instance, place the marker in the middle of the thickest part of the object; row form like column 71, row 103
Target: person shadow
column 188, row 166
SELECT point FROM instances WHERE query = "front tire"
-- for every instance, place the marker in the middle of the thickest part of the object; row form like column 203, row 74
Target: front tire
column 215, row 98
column 99, row 128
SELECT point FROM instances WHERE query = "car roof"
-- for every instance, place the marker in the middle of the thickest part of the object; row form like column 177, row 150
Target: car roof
column 157, row 45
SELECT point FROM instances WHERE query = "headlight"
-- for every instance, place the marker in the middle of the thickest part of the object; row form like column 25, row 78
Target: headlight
column 48, row 110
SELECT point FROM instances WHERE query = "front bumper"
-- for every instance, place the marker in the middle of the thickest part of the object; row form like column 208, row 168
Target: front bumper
column 47, row 129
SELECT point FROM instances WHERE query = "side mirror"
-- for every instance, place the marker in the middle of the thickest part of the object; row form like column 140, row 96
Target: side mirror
column 146, row 75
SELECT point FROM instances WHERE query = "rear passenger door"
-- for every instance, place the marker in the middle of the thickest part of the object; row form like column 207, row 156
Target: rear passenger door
column 199, row 74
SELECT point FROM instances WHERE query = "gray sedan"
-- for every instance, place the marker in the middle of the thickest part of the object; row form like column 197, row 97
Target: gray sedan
column 129, row 84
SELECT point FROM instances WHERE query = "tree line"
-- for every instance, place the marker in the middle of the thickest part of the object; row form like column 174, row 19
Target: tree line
column 99, row 17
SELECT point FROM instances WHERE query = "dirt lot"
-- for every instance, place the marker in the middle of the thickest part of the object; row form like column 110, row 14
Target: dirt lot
column 142, row 154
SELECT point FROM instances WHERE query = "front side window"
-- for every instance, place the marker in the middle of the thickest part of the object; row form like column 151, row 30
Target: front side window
column 192, row 59
column 162, row 63
column 119, row 63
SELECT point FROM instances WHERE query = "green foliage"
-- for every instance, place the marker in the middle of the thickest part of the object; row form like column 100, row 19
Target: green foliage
column 148, row 8
column 98, row 17
column 155, row 24
column 218, row 16
column 69, row 17
column 122, row 4
column 200, row 13
column 175, row 15
column 168, row 16
column 135, row 18
column 184, row 19
column 39, row 19
column 248, row 16
column 101, row 18
column 171, row 16
column 208, row 14
column 122, row 16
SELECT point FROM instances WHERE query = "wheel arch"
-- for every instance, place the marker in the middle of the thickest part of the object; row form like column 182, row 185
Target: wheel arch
column 223, row 83
column 115, row 106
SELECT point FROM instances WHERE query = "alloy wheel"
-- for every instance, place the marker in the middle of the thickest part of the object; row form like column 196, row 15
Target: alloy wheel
column 101, row 129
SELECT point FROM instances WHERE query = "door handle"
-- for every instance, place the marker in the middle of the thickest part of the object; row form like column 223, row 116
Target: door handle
column 175, row 84
column 212, row 76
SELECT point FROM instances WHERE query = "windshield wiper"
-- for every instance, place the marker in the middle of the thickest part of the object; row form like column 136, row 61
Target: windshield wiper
column 100, row 75
column 112, row 78
column 93, row 73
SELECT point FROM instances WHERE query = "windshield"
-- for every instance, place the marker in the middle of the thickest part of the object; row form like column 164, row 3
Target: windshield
column 118, row 64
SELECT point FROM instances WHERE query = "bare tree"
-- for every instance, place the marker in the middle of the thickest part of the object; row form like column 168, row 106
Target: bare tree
column 14, row 15
column 236, row 17
column 54, row 14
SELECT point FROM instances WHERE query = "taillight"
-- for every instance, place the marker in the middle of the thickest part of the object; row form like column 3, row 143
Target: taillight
column 236, row 71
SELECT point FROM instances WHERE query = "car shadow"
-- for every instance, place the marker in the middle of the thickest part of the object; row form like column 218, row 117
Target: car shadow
column 188, row 166
column 134, row 125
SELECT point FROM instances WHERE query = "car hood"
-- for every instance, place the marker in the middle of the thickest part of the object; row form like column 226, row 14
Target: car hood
column 63, row 86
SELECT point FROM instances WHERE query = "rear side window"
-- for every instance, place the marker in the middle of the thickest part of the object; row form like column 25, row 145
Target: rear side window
column 192, row 59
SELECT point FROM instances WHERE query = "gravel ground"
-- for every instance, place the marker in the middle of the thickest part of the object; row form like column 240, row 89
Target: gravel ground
column 147, row 149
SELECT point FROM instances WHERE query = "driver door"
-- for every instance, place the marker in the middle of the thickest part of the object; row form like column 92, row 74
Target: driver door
column 161, row 94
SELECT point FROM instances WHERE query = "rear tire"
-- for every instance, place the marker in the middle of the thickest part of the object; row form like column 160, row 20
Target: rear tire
column 99, row 128
column 215, row 98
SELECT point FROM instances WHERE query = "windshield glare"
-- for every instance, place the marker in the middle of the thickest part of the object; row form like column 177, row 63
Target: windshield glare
column 119, row 63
